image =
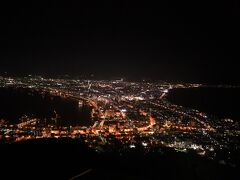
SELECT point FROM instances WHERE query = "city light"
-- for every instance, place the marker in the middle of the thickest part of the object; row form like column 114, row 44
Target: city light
column 122, row 113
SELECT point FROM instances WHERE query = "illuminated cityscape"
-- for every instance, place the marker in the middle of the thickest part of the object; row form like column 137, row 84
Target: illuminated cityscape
column 119, row 90
column 124, row 116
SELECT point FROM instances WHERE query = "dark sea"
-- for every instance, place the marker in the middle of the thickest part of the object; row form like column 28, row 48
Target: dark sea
column 14, row 103
column 219, row 102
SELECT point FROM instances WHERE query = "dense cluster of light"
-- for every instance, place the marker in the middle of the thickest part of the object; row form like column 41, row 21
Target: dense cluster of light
column 125, row 115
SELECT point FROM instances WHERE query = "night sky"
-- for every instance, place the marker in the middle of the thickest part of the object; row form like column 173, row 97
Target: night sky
column 180, row 42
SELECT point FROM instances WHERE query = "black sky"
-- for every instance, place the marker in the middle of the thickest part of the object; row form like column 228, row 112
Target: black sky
column 183, row 41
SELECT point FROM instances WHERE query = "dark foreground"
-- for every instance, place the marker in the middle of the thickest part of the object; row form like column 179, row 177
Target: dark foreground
column 65, row 159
